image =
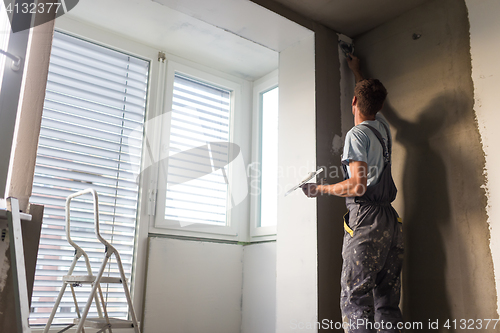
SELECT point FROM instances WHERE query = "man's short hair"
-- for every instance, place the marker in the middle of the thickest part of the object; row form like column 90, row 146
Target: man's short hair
column 371, row 95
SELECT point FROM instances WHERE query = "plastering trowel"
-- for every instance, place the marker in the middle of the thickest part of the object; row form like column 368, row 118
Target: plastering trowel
column 308, row 178
column 346, row 48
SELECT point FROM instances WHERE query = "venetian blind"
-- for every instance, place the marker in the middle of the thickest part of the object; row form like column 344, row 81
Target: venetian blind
column 95, row 98
column 198, row 155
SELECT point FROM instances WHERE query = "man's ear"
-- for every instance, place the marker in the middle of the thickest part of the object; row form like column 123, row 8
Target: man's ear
column 354, row 101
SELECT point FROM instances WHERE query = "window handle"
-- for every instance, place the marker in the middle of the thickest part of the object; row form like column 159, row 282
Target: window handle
column 16, row 61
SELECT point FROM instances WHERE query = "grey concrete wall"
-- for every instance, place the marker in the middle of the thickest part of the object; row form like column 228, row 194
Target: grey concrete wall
column 438, row 160
column 330, row 209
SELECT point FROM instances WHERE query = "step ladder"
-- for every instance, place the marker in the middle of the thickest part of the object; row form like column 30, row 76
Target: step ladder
column 103, row 323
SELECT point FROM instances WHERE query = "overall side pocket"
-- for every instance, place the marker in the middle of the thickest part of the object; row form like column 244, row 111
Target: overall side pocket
column 346, row 224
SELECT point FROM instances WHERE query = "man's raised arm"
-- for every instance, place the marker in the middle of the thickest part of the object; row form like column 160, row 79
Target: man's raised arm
column 354, row 64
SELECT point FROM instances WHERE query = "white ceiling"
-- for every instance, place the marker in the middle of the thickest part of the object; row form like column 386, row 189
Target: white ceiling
column 243, row 18
column 238, row 37
column 351, row 17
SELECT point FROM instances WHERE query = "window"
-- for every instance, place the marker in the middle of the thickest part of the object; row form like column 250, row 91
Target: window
column 196, row 187
column 4, row 38
column 199, row 135
column 95, row 99
column 264, row 169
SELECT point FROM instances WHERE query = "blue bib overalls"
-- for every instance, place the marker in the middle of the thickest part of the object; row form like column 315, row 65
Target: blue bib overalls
column 372, row 255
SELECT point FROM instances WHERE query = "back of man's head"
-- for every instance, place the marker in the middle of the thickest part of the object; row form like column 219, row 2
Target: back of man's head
column 370, row 95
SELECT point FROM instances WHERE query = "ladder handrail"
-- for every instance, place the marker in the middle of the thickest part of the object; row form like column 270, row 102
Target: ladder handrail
column 109, row 248
column 79, row 251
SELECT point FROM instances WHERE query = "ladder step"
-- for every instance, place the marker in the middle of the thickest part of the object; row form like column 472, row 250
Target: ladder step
column 82, row 279
column 101, row 323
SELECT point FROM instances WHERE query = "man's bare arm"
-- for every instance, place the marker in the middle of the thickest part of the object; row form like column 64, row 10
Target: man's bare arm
column 352, row 187
column 354, row 64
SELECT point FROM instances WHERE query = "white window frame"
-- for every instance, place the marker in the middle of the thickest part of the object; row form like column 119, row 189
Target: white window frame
column 261, row 86
column 118, row 43
column 196, row 230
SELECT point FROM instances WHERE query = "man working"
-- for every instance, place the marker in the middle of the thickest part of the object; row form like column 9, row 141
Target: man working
column 373, row 240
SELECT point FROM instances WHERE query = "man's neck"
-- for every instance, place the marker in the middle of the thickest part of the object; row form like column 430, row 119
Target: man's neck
column 359, row 118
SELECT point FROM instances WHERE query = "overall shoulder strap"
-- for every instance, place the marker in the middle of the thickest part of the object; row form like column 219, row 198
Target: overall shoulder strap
column 389, row 139
column 387, row 149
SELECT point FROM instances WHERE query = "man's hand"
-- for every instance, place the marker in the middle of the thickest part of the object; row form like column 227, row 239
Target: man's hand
column 354, row 64
column 311, row 190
